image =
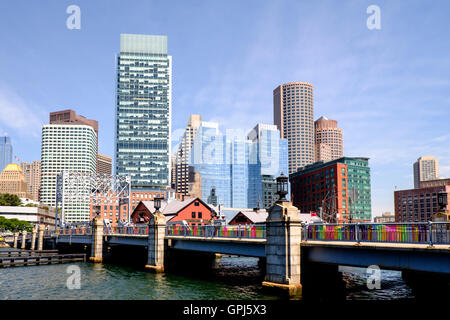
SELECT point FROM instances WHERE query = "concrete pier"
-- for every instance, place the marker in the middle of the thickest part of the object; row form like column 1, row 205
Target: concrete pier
column 97, row 240
column 41, row 237
column 156, row 242
column 33, row 238
column 24, row 239
column 16, row 237
column 283, row 235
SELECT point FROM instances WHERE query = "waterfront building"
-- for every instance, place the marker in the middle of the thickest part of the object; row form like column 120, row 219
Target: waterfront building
column 234, row 166
column 6, row 152
column 143, row 111
column 111, row 211
column 12, row 181
column 104, row 164
column 293, row 114
column 32, row 174
column 181, row 170
column 435, row 183
column 339, row 190
column 384, row 218
column 193, row 212
column 69, row 146
column 425, row 168
column 34, row 215
column 418, row 205
column 329, row 141
column 249, row 217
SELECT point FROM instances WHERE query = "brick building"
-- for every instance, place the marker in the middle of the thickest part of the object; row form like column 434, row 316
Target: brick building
column 417, row 205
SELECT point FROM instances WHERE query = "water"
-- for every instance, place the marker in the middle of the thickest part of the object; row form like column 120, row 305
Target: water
column 233, row 278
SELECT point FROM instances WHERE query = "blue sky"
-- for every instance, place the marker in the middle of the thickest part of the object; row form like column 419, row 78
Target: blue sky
column 389, row 89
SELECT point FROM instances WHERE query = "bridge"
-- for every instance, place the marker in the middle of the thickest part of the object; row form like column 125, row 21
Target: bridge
column 284, row 244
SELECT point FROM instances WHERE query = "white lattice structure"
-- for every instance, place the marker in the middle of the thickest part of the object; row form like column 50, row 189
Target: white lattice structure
column 77, row 190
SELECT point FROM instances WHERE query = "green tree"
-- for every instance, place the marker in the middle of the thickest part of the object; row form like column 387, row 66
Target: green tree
column 7, row 199
column 15, row 224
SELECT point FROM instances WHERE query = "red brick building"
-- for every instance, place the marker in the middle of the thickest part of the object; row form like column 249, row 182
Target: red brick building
column 194, row 211
column 417, row 205
column 321, row 186
column 249, row 217
column 109, row 208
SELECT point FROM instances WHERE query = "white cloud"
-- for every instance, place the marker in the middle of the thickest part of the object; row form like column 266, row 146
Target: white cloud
column 18, row 115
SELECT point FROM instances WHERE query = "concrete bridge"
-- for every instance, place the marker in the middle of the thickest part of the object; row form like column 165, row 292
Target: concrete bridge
column 289, row 250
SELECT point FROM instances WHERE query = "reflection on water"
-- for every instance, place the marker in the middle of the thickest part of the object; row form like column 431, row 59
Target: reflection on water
column 232, row 278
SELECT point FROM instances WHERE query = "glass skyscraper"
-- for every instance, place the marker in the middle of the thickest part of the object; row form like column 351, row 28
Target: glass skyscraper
column 234, row 167
column 143, row 110
column 6, row 152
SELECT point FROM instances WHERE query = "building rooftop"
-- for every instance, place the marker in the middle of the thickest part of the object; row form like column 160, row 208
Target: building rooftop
column 13, row 167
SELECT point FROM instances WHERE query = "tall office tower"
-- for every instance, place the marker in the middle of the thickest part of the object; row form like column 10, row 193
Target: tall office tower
column 235, row 167
column 293, row 114
column 6, row 152
column 12, row 181
column 67, row 146
column 271, row 159
column 104, row 164
column 32, row 174
column 425, row 168
column 143, row 111
column 329, row 141
column 181, row 177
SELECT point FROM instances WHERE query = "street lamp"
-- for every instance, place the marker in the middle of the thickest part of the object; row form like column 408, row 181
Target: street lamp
column 282, row 187
column 157, row 204
column 442, row 200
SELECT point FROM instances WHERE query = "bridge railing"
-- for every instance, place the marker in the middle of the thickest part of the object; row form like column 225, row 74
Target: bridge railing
column 243, row 231
column 74, row 231
column 143, row 230
column 420, row 232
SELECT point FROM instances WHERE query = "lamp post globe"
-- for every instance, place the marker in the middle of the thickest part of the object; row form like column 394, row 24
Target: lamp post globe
column 282, row 187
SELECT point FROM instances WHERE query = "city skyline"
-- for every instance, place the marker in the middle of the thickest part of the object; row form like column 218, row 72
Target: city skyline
column 355, row 87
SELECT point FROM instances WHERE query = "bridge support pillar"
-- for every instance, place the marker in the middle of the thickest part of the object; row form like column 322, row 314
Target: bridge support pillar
column 16, row 237
column 97, row 240
column 33, row 238
column 41, row 237
column 24, row 239
column 156, row 243
column 283, row 234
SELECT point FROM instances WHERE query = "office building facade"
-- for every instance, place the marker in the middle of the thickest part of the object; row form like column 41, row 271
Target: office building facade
column 6, row 152
column 143, row 111
column 293, row 114
column 104, row 164
column 329, row 140
column 340, row 189
column 234, row 167
column 181, row 163
column 32, row 174
column 67, row 147
column 418, row 205
column 12, row 181
column 425, row 168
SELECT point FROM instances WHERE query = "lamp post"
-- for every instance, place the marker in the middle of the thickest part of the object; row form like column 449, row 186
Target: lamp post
column 157, row 204
column 282, row 187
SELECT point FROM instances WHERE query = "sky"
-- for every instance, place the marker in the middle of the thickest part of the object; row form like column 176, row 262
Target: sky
column 388, row 88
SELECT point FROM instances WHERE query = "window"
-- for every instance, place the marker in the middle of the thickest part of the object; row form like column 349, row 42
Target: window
column 196, row 203
column 199, row 215
column 193, row 215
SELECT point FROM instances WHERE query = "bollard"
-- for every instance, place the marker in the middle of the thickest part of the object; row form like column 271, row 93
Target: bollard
column 41, row 237
column 24, row 239
column 33, row 238
column 16, row 237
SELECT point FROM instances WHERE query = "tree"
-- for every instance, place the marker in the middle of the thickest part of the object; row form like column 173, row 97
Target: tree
column 15, row 224
column 7, row 199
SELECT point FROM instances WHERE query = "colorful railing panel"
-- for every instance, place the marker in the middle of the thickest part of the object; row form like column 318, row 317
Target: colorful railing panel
column 426, row 233
column 250, row 231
